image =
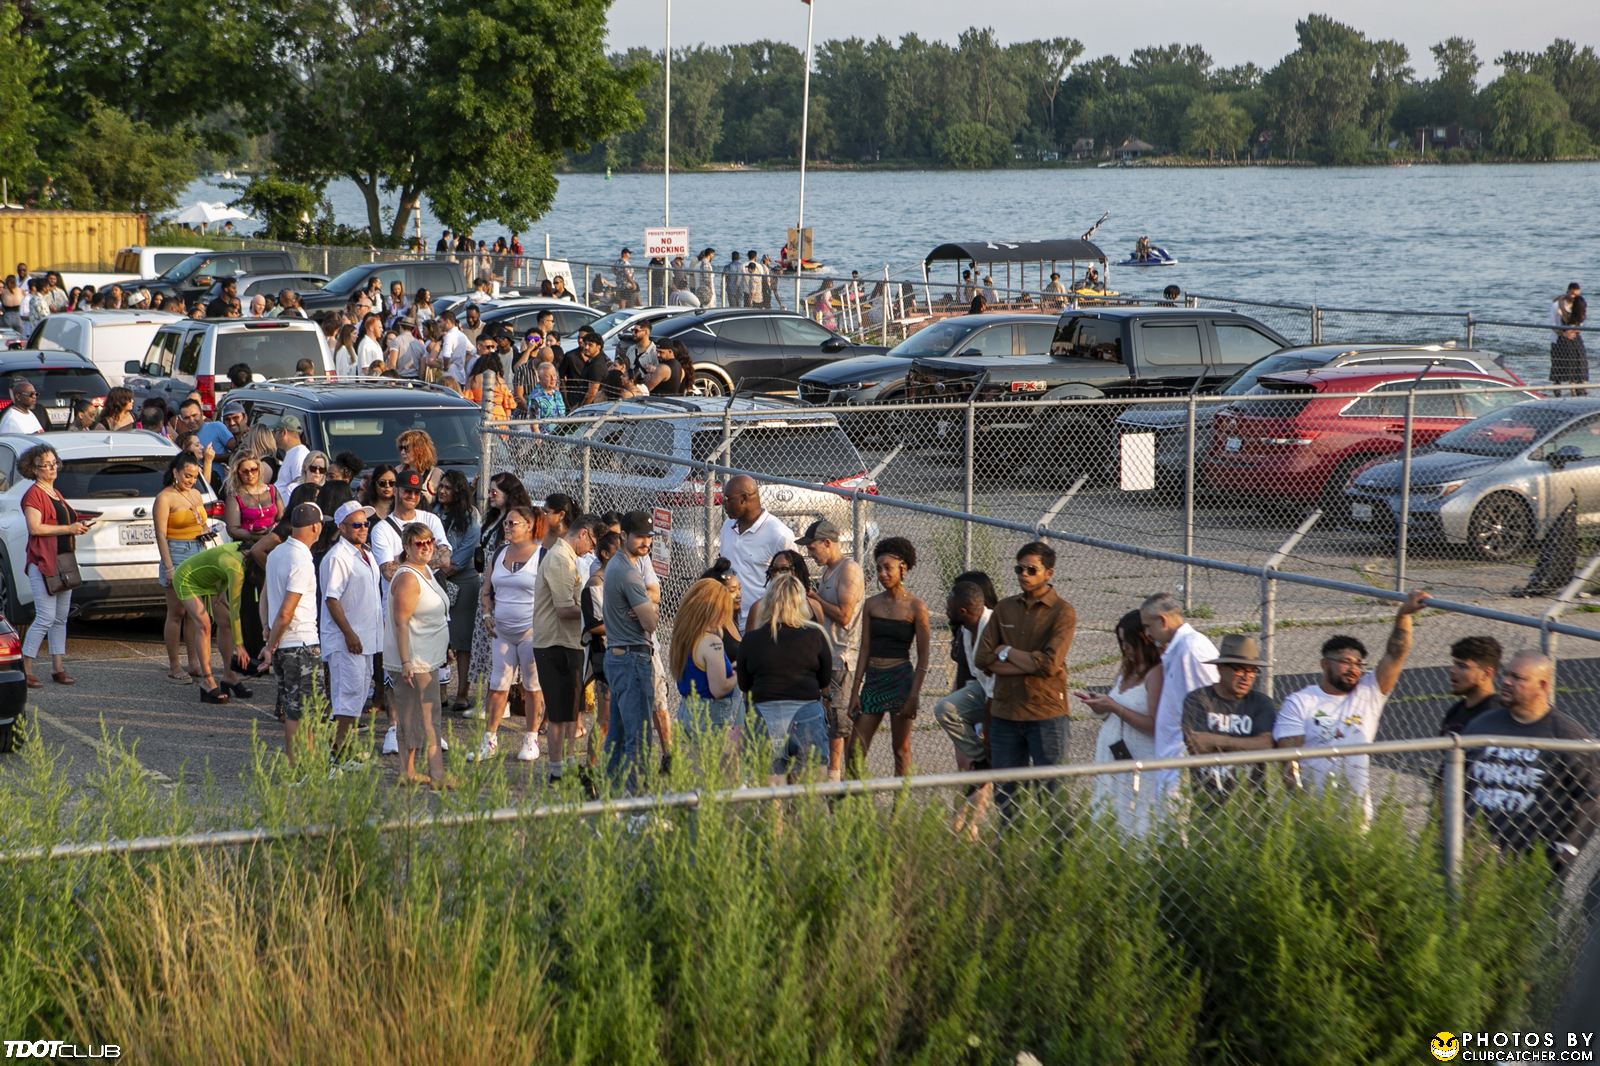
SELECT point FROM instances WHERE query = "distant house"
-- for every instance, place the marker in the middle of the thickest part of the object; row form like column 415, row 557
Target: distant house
column 1133, row 148
column 1450, row 136
column 1083, row 148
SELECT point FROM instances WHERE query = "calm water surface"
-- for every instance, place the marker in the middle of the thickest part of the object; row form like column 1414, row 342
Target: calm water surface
column 1498, row 240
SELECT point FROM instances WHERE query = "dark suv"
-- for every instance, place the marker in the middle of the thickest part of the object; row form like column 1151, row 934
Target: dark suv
column 191, row 276
column 365, row 416
column 440, row 277
column 60, row 378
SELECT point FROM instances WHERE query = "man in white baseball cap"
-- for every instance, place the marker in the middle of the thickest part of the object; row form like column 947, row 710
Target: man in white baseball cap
column 351, row 622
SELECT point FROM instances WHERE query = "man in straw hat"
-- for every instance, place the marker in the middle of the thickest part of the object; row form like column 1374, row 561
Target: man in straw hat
column 1229, row 714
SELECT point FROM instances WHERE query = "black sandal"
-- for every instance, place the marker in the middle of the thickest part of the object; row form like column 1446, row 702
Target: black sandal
column 214, row 695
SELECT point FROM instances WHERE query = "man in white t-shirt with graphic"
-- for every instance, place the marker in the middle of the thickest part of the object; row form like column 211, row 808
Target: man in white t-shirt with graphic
column 750, row 537
column 1344, row 708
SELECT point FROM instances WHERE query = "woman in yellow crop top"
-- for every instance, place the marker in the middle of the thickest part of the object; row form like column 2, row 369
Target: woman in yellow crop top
column 181, row 523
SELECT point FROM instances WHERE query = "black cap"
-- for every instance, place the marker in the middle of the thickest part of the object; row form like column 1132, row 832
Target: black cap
column 638, row 524
column 408, row 479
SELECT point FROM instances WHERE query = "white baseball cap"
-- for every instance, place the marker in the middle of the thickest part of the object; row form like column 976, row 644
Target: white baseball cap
column 350, row 507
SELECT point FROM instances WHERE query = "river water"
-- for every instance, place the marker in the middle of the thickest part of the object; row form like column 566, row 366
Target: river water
column 1500, row 241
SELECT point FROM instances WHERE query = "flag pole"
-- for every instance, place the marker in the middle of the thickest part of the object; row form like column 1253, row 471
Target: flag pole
column 805, row 116
column 666, row 131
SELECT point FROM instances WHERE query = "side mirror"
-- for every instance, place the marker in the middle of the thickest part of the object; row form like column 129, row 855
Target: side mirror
column 972, row 353
column 133, row 366
column 1565, row 455
column 835, row 344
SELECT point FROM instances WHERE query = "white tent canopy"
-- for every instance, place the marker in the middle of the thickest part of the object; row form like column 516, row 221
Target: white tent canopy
column 202, row 214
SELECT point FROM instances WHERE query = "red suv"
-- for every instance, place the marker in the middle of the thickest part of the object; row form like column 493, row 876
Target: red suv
column 1302, row 436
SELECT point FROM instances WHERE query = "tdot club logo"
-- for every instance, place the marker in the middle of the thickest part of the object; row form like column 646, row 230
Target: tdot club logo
column 56, row 1050
column 1444, row 1046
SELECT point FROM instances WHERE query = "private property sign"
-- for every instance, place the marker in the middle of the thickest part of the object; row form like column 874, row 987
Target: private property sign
column 665, row 243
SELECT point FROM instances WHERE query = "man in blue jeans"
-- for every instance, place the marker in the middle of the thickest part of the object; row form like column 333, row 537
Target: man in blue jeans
column 1025, row 647
column 630, row 620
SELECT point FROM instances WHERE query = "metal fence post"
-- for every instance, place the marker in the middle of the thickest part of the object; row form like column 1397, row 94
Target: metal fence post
column 1471, row 330
column 325, row 269
column 587, row 461
column 1269, row 595
column 587, row 286
column 1188, row 509
column 1404, row 525
column 969, row 487
column 1454, row 814
column 1316, row 325
column 858, row 530
column 485, row 401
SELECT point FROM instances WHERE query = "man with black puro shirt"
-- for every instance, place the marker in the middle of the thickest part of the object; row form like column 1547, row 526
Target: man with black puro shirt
column 1474, row 662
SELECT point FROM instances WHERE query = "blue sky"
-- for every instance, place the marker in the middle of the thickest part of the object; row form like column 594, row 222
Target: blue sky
column 1258, row 30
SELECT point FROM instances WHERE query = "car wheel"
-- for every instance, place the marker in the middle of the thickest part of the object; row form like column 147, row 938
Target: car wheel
column 1335, row 504
column 1501, row 527
column 16, row 613
column 709, row 383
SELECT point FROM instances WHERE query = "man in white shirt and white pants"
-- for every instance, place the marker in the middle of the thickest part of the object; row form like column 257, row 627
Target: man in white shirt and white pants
column 292, row 648
column 1186, row 656
column 1346, row 705
column 351, row 621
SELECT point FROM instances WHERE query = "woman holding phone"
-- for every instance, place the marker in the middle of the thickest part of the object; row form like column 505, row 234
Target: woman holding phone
column 1128, row 727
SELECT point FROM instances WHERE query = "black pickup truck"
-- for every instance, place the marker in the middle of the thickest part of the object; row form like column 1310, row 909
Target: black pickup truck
column 1097, row 353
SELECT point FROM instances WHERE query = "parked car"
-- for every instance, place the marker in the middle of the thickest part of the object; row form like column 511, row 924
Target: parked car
column 109, row 339
column 268, row 285
column 440, row 277
column 1305, row 437
column 1110, row 352
column 521, row 314
column 770, row 436
column 1496, row 484
column 60, row 378
column 117, row 475
column 193, row 355
column 1170, row 422
column 747, row 348
column 882, row 378
column 192, row 275
column 616, row 325
column 13, row 686
column 365, row 415
column 10, row 338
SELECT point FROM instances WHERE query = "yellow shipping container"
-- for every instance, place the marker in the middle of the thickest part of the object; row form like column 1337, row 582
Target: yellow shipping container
column 66, row 240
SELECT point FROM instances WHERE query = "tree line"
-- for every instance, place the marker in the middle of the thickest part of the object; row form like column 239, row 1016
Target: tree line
column 476, row 108
column 1339, row 97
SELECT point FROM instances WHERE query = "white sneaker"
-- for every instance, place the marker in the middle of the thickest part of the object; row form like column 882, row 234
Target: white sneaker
column 488, row 748
column 530, row 748
column 444, row 745
column 444, row 675
column 391, row 742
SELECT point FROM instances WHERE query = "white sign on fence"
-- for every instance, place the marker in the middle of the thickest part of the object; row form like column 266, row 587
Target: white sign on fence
column 665, row 243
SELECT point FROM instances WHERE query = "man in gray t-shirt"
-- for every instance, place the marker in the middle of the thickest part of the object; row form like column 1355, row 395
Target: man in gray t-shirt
column 630, row 620
column 836, row 605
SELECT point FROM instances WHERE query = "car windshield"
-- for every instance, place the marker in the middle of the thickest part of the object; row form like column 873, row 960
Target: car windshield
column 1245, row 380
column 133, row 478
column 268, row 352
column 818, row 452
column 1503, row 433
column 606, row 323
column 935, row 340
column 59, row 386
column 349, row 281
column 183, row 267
column 371, row 434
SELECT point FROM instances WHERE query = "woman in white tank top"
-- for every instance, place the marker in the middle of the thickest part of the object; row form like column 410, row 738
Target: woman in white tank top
column 416, row 638
column 1127, row 730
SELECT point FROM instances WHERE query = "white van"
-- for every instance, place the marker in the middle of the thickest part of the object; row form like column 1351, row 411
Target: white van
column 108, row 339
column 133, row 263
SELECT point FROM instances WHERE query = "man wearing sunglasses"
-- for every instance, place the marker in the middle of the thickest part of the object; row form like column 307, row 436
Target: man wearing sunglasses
column 351, row 621
column 1025, row 647
column 1346, row 704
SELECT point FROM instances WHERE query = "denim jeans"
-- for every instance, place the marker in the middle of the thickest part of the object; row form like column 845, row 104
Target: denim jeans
column 798, row 732
column 632, row 680
column 1041, row 742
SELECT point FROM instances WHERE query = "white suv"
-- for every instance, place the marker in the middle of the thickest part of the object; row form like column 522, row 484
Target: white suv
column 194, row 355
column 117, row 475
column 108, row 339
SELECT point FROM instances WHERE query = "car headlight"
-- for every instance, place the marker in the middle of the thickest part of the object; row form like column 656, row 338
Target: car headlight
column 1441, row 490
column 859, row 385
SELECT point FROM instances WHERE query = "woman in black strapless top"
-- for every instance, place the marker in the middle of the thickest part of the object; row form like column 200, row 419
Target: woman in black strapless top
column 889, row 683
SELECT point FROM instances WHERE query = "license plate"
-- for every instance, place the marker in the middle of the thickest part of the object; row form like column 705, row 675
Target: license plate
column 1361, row 512
column 1233, row 444
column 137, row 533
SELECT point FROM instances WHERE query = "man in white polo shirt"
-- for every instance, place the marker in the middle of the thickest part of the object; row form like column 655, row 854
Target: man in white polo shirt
column 292, row 648
column 351, row 622
column 750, row 538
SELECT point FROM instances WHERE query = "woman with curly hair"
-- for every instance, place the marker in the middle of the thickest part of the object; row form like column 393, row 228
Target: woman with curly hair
column 418, row 453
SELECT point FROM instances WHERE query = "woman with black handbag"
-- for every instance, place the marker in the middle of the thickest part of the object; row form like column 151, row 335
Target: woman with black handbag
column 52, row 564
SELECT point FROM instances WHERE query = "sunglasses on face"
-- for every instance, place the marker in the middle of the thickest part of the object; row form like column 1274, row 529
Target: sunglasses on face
column 356, row 525
column 419, row 544
column 1029, row 570
column 316, row 470
column 249, row 470
column 386, row 484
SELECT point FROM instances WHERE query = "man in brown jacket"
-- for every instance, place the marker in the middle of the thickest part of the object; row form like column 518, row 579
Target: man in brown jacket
column 1025, row 648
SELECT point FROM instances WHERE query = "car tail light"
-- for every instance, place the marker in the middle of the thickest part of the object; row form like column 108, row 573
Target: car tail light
column 4, row 403
column 214, row 509
column 690, row 493
column 857, row 482
column 206, row 386
column 10, row 646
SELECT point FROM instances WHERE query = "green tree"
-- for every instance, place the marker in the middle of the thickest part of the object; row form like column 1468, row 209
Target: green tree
column 468, row 104
column 1391, row 72
column 1457, row 84
column 973, row 146
column 1045, row 65
column 1323, row 84
column 117, row 163
column 1574, row 72
column 1212, row 124
column 21, row 77
column 284, row 208
column 1528, row 118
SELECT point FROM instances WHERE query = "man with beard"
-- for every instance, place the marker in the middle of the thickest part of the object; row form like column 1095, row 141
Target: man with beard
column 1345, row 706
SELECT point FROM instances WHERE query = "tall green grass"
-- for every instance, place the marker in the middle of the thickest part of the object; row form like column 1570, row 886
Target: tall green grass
column 857, row 931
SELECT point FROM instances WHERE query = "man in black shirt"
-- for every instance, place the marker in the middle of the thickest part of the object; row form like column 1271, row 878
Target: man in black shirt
column 1474, row 662
column 583, row 371
column 1529, row 798
column 1229, row 715
column 218, row 308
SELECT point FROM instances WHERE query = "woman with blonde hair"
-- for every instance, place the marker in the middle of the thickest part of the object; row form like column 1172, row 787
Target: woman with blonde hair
column 418, row 453
column 415, row 639
column 785, row 665
column 260, row 442
column 699, row 660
